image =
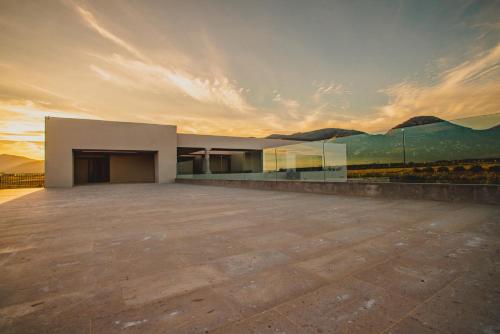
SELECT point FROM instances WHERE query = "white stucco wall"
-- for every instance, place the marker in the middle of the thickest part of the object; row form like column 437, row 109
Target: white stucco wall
column 63, row 135
column 227, row 142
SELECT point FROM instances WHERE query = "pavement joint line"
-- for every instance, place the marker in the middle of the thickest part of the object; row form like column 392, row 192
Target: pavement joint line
column 376, row 250
column 326, row 282
column 412, row 311
column 228, row 304
column 289, row 320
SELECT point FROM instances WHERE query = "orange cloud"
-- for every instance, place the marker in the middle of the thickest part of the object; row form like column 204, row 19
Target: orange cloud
column 469, row 89
column 218, row 89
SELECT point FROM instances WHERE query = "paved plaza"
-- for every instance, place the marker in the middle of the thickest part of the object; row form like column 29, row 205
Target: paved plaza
column 177, row 258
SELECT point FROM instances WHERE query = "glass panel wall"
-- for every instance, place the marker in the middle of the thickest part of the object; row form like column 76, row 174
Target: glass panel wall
column 311, row 161
column 462, row 151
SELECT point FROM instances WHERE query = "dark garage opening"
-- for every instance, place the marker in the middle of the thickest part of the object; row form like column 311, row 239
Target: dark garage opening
column 99, row 166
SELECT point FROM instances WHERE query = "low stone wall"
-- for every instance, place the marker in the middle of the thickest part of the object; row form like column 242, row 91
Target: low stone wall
column 477, row 193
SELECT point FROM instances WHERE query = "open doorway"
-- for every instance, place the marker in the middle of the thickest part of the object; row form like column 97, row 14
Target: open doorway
column 99, row 166
column 91, row 168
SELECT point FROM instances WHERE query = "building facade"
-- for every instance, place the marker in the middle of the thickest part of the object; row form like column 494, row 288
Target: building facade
column 81, row 151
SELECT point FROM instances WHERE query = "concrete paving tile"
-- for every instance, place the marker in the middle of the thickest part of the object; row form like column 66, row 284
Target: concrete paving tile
column 339, row 263
column 261, row 291
column 271, row 240
column 171, row 259
column 396, row 242
column 309, row 247
column 410, row 279
column 351, row 236
column 490, row 225
column 219, row 224
column 350, row 306
column 454, row 320
column 457, row 251
column 30, row 251
column 195, row 312
column 317, row 227
column 142, row 264
column 247, row 263
column 169, row 283
column 209, row 247
column 411, row 325
column 474, row 292
column 266, row 323
column 262, row 226
column 68, row 313
column 457, row 220
column 35, row 314
column 58, row 278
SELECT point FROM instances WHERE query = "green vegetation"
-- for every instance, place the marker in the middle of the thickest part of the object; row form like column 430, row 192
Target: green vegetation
column 475, row 174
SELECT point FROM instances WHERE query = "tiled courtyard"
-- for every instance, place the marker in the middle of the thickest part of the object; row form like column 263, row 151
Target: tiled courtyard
column 198, row 259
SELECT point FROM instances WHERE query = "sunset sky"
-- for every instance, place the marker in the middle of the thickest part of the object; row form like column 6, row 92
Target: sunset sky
column 245, row 68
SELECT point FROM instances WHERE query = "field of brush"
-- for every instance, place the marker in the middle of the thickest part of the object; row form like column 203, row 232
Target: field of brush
column 484, row 173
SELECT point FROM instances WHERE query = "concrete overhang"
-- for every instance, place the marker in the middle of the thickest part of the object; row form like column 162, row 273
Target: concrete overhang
column 230, row 143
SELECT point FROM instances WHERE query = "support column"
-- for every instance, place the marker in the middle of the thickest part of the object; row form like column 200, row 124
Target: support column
column 206, row 166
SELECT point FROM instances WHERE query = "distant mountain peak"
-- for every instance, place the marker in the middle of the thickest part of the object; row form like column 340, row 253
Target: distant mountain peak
column 419, row 120
column 320, row 134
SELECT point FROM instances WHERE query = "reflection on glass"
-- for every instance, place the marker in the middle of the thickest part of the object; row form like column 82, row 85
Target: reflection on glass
column 462, row 151
column 310, row 161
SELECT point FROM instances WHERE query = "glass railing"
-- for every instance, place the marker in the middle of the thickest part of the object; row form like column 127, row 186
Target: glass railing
column 465, row 151
column 461, row 151
column 318, row 161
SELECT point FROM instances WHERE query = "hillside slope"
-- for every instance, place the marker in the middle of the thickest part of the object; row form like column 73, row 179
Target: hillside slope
column 425, row 143
column 418, row 120
column 18, row 164
column 320, row 134
column 36, row 166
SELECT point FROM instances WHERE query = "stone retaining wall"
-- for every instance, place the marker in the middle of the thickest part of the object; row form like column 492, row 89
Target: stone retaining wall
column 477, row 193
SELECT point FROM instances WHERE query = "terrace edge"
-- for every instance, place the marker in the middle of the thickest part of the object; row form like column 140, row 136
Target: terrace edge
column 475, row 193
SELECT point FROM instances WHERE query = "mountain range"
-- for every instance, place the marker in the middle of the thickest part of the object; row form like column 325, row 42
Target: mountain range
column 328, row 133
column 424, row 139
column 320, row 134
column 18, row 164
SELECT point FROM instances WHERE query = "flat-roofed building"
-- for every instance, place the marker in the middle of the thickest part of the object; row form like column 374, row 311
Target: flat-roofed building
column 81, row 151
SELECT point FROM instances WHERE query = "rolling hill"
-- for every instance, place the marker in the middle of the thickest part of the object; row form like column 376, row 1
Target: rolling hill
column 320, row 134
column 18, row 164
column 427, row 139
column 328, row 133
column 418, row 120
column 437, row 141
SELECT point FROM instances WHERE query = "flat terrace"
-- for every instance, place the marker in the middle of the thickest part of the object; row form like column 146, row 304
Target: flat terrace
column 200, row 259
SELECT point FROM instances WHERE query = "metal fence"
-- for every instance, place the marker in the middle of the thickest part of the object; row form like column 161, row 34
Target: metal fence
column 22, row 180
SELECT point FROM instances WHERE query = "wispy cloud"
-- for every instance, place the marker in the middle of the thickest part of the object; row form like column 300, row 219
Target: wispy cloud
column 486, row 28
column 89, row 18
column 156, row 78
column 471, row 88
column 217, row 89
column 287, row 103
column 329, row 89
column 122, row 80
